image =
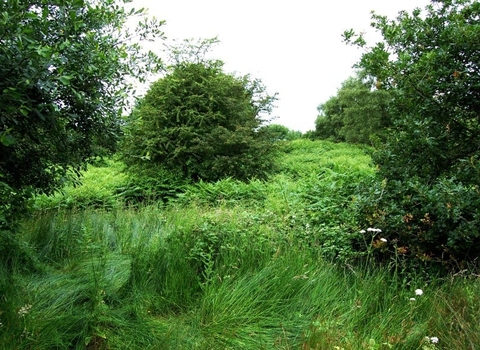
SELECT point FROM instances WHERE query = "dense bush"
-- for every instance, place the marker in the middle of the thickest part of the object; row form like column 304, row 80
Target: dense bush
column 435, row 224
column 425, row 198
column 201, row 123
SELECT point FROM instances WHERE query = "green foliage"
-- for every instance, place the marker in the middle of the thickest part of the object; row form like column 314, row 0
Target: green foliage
column 145, row 184
column 201, row 123
column 425, row 196
column 63, row 68
column 357, row 114
column 305, row 157
column 217, row 247
column 430, row 225
column 197, row 278
column 228, row 265
column 282, row 133
column 97, row 188
column 105, row 185
column 224, row 192
column 314, row 195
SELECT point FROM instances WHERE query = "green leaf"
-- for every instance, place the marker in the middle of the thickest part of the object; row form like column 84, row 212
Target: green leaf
column 24, row 110
column 6, row 139
column 65, row 80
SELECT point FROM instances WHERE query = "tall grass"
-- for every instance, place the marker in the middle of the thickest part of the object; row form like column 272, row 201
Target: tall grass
column 181, row 280
column 228, row 266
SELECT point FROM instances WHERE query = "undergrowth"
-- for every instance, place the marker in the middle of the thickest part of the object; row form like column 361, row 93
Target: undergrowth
column 226, row 265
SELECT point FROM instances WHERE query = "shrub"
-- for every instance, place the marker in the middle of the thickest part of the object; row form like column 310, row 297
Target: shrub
column 425, row 197
column 201, row 123
column 435, row 224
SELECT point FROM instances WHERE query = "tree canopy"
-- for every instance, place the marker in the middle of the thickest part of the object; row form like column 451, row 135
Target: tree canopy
column 427, row 190
column 201, row 123
column 357, row 114
column 64, row 67
column 280, row 132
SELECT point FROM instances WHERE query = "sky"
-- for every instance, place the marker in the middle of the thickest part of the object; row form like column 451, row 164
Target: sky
column 294, row 47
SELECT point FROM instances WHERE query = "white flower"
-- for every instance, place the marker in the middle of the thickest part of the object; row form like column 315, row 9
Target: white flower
column 418, row 292
column 24, row 310
column 434, row 340
column 412, row 299
column 384, row 240
column 363, row 231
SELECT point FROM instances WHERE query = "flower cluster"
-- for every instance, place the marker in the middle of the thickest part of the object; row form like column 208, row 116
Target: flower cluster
column 24, row 310
column 370, row 229
column 429, row 343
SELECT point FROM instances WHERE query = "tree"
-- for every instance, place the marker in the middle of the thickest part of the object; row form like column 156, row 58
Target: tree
column 357, row 114
column 426, row 193
column 282, row 133
column 201, row 123
column 329, row 121
column 64, row 66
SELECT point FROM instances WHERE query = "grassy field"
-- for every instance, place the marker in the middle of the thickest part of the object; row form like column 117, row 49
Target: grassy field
column 226, row 265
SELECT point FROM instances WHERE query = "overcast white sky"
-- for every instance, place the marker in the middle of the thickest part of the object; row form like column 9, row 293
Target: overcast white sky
column 294, row 47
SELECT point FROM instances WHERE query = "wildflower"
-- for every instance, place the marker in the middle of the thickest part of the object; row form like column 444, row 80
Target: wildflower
column 24, row 310
column 418, row 292
column 412, row 299
column 362, row 231
column 434, row 340
column 383, row 240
